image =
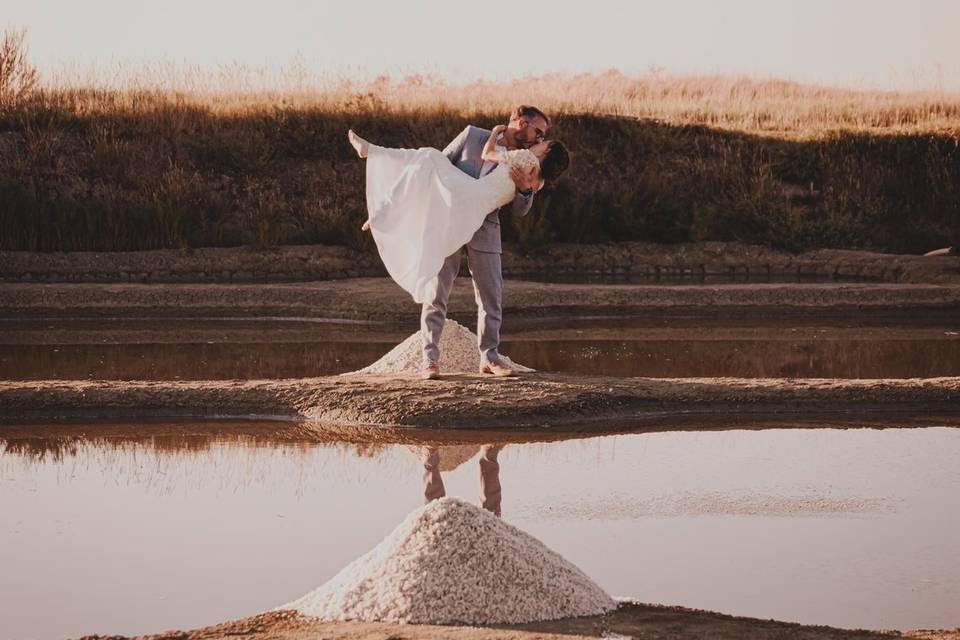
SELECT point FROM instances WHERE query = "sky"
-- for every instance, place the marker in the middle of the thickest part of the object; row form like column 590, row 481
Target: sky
column 887, row 44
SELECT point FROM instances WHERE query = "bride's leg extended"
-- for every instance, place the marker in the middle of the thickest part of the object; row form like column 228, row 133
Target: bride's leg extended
column 364, row 148
column 361, row 146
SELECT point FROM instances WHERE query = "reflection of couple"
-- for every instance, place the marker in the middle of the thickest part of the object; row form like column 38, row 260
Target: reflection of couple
column 446, row 458
column 425, row 205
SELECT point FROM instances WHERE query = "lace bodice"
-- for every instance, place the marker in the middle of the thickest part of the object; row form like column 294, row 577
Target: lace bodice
column 522, row 158
column 500, row 189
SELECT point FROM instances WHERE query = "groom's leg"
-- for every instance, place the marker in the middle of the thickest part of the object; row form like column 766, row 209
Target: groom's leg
column 487, row 288
column 491, row 493
column 432, row 482
column 434, row 312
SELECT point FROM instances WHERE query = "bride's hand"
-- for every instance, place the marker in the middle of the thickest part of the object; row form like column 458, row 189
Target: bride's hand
column 525, row 179
column 497, row 130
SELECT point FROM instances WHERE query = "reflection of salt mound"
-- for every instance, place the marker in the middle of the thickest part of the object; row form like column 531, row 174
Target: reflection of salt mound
column 452, row 562
column 458, row 354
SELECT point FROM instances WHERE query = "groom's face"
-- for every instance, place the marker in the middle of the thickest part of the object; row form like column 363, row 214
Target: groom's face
column 530, row 131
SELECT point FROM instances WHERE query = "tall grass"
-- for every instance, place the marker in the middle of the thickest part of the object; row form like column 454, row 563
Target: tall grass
column 166, row 156
column 741, row 103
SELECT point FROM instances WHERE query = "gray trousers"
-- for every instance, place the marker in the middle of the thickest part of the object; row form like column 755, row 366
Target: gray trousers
column 491, row 493
column 487, row 289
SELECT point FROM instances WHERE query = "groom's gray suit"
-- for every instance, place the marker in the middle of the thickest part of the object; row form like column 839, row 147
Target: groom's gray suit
column 483, row 254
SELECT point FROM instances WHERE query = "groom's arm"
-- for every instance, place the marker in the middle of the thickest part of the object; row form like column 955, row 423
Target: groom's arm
column 522, row 203
column 523, row 197
column 454, row 150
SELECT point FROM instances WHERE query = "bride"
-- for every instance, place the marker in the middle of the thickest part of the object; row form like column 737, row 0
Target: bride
column 422, row 208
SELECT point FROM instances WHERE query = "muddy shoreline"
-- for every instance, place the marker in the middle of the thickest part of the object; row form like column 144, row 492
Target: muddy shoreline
column 630, row 620
column 637, row 261
column 463, row 401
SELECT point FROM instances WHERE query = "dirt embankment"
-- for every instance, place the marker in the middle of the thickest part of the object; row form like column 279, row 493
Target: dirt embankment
column 380, row 299
column 633, row 620
column 473, row 402
column 635, row 261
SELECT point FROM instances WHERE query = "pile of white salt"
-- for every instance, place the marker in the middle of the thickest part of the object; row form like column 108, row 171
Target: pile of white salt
column 458, row 354
column 451, row 562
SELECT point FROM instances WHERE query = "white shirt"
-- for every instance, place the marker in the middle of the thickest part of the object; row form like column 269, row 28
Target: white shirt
column 487, row 164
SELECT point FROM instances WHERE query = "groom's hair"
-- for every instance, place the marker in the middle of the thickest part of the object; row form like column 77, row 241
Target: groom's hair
column 528, row 111
column 554, row 162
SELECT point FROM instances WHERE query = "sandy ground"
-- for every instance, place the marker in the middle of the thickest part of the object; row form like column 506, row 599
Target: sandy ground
column 470, row 401
column 629, row 621
column 380, row 299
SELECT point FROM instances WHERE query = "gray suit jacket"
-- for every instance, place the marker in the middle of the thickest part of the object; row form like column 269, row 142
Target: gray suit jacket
column 465, row 152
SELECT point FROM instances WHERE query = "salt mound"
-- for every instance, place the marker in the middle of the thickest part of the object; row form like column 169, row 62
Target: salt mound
column 451, row 562
column 458, row 354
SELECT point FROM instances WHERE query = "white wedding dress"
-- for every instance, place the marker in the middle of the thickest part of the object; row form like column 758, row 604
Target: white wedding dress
column 423, row 208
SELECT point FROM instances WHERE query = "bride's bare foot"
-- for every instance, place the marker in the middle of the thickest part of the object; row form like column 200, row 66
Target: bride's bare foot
column 361, row 145
column 366, row 226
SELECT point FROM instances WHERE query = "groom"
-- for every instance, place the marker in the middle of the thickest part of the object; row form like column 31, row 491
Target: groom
column 528, row 126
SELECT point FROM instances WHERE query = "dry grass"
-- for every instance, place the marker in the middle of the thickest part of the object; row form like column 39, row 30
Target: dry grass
column 730, row 102
column 166, row 156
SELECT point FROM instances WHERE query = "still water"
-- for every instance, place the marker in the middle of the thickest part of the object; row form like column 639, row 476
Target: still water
column 193, row 524
column 667, row 347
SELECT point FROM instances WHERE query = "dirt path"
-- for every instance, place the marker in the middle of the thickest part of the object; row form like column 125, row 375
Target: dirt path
column 471, row 402
column 655, row 622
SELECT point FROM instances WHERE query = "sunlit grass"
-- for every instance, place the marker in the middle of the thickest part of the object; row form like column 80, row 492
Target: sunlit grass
column 730, row 102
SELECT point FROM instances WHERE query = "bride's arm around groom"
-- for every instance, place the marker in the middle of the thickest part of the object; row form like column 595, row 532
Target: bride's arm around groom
column 466, row 153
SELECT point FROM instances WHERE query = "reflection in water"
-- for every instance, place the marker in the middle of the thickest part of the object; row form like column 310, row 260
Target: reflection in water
column 137, row 534
column 764, row 358
column 829, row 358
column 689, row 276
column 706, row 503
column 186, row 360
column 668, row 348
column 491, row 493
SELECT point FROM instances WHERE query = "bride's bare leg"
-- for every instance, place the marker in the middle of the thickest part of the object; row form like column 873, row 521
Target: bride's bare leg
column 358, row 143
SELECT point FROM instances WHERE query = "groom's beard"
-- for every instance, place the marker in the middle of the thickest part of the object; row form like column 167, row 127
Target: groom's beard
column 519, row 143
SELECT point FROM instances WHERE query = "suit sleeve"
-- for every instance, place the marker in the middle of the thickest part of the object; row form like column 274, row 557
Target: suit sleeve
column 455, row 148
column 521, row 204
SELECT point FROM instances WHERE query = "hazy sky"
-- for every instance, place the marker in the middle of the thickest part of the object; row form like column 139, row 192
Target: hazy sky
column 877, row 43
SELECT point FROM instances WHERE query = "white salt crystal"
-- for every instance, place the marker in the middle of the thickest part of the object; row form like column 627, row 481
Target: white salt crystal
column 458, row 354
column 451, row 562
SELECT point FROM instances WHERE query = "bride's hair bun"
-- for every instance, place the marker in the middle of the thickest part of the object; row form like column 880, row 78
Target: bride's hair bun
column 555, row 162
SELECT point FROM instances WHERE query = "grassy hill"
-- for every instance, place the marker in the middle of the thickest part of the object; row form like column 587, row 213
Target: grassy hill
column 656, row 158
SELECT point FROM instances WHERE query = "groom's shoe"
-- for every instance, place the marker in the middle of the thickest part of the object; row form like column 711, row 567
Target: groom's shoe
column 497, row 368
column 430, row 371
